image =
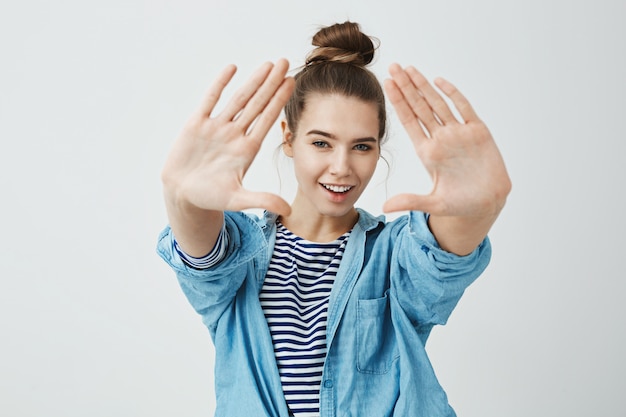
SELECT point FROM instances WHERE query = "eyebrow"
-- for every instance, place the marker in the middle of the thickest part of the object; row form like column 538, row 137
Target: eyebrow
column 331, row 136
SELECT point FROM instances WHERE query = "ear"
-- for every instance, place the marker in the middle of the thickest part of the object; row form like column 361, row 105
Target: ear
column 287, row 139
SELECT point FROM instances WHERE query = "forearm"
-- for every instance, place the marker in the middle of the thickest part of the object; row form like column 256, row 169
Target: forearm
column 460, row 235
column 196, row 230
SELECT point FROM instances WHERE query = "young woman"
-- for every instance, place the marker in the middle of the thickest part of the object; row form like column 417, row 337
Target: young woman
column 319, row 308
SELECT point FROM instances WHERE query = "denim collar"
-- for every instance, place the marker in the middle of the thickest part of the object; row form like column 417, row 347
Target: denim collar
column 366, row 221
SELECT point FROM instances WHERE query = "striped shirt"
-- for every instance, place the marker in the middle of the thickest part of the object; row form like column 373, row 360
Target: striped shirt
column 294, row 299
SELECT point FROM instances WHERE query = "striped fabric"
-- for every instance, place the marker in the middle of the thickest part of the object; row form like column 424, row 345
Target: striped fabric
column 294, row 298
column 216, row 255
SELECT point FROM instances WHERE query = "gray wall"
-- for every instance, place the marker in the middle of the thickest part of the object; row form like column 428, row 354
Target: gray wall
column 93, row 93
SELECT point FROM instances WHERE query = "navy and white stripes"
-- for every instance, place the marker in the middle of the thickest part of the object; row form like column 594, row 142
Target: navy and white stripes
column 216, row 255
column 294, row 298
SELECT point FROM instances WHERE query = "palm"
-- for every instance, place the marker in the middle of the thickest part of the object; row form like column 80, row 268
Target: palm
column 210, row 158
column 469, row 177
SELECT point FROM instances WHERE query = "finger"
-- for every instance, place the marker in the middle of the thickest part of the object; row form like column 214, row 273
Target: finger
column 460, row 102
column 408, row 119
column 414, row 97
column 271, row 112
column 212, row 96
column 264, row 94
column 424, row 203
column 243, row 94
column 268, row 201
column 432, row 97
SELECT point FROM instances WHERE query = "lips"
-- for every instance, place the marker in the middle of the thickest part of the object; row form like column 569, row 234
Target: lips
column 337, row 188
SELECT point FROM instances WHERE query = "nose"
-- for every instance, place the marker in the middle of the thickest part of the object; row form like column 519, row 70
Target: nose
column 339, row 165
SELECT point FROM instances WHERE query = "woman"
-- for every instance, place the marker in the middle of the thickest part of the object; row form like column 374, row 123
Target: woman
column 319, row 308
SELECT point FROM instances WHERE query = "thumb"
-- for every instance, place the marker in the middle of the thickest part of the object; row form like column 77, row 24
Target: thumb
column 400, row 202
column 268, row 201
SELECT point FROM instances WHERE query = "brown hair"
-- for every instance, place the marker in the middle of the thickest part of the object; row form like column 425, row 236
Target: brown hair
column 337, row 66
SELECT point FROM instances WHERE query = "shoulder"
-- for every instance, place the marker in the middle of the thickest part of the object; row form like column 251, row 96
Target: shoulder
column 412, row 228
column 249, row 227
column 368, row 221
column 412, row 222
column 248, row 222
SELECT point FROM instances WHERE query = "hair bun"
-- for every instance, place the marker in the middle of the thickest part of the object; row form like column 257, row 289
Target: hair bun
column 344, row 43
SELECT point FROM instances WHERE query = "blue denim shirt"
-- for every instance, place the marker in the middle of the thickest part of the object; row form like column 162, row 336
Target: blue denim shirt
column 394, row 284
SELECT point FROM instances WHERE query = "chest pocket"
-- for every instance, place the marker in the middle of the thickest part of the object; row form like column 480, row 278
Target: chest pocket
column 376, row 344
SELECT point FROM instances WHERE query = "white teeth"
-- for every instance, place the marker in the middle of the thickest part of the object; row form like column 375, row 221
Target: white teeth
column 337, row 188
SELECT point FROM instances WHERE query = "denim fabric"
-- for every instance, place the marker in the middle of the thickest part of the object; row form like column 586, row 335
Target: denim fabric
column 394, row 284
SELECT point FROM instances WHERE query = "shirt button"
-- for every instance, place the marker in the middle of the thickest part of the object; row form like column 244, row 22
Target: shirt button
column 328, row 383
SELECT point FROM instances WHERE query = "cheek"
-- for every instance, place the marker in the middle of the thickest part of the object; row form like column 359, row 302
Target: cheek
column 306, row 168
column 369, row 168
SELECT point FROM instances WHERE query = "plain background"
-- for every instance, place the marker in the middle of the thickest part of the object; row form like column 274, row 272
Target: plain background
column 92, row 94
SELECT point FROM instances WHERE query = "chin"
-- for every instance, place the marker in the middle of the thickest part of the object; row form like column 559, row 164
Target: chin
column 337, row 211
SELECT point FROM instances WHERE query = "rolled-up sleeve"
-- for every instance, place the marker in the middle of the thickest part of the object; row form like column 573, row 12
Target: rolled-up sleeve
column 211, row 290
column 430, row 281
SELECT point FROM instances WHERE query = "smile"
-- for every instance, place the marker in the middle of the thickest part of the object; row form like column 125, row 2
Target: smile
column 337, row 188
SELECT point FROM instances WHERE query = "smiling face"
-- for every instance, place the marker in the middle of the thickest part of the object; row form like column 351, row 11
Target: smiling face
column 335, row 150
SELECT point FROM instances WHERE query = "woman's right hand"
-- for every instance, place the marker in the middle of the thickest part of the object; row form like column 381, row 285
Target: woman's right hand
column 204, row 170
column 206, row 166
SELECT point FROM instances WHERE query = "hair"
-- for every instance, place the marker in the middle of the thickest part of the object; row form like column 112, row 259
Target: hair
column 338, row 66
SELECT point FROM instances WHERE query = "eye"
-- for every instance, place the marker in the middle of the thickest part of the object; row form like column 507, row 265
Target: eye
column 320, row 144
column 362, row 147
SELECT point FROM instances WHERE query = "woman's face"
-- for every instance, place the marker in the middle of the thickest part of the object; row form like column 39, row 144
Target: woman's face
column 335, row 151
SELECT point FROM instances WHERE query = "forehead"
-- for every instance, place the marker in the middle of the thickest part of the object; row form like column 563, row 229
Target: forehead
column 340, row 115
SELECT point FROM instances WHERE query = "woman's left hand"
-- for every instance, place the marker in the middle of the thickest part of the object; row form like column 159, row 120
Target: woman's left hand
column 469, row 177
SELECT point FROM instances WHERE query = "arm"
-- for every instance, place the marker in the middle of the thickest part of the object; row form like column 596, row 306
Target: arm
column 470, row 181
column 211, row 289
column 428, row 280
column 203, row 174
